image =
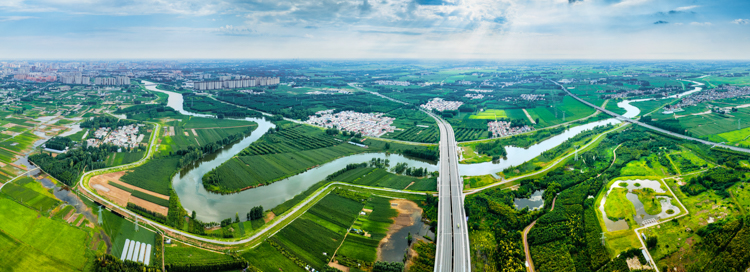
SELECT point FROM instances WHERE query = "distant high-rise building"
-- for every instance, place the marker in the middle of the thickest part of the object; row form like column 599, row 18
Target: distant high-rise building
column 235, row 83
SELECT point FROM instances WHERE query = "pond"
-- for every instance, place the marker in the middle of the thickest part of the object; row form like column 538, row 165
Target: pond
column 534, row 202
column 641, row 215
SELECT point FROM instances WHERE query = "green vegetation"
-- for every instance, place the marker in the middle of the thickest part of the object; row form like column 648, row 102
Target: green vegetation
column 23, row 228
column 30, row 193
column 360, row 246
column 382, row 178
column 180, row 255
column 155, row 175
column 618, row 206
column 651, row 203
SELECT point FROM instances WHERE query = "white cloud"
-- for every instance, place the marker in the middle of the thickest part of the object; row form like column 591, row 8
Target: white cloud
column 15, row 18
column 701, row 24
column 628, row 3
column 686, row 8
column 741, row 21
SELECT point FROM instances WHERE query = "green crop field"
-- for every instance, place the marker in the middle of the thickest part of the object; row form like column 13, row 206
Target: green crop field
column 416, row 134
column 50, row 238
column 154, row 175
column 375, row 223
column 491, row 114
column 382, row 178
column 31, row 193
column 121, row 158
column 147, row 197
column 244, row 171
column 119, row 229
column 178, row 253
column 20, row 142
column 650, row 105
column 18, row 256
column 205, row 132
column 549, row 116
column 266, row 258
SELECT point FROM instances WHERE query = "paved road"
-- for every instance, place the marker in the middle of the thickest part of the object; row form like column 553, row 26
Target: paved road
column 622, row 118
column 453, row 237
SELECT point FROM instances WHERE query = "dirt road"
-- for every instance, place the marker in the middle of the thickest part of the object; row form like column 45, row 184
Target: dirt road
column 526, row 243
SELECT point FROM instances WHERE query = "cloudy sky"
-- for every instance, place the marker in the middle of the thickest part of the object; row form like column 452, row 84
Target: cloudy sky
column 376, row 29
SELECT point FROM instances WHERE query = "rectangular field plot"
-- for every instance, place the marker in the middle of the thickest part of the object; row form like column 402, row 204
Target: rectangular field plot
column 31, row 193
column 491, row 114
column 49, row 237
column 181, row 254
column 153, row 175
column 382, row 178
column 244, row 171
column 17, row 256
column 416, row 134
column 120, row 230
column 571, row 109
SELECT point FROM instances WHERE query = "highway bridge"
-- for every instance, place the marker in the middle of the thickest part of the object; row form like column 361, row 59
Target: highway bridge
column 452, row 233
column 625, row 119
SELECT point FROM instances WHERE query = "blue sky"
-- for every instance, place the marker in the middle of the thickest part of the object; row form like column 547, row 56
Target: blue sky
column 437, row 29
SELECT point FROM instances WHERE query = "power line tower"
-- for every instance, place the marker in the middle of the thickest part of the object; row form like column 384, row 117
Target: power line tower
column 603, row 238
column 136, row 224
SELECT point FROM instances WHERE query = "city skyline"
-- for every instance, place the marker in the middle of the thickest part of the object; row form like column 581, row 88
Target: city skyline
column 367, row 29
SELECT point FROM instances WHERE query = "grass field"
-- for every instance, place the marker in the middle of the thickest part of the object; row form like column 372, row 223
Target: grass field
column 21, row 142
column 382, row 178
column 479, row 181
column 416, row 134
column 651, row 204
column 18, row 256
column 202, row 131
column 31, row 193
column 471, row 156
column 52, row 239
column 650, row 105
column 618, row 206
column 266, row 258
column 154, row 175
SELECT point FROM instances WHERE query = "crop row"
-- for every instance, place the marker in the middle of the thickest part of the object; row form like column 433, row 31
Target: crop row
column 417, row 134
column 468, row 134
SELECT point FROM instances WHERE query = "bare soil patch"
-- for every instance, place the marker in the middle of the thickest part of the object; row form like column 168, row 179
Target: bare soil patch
column 149, row 206
column 335, row 264
column 121, row 197
column 406, row 209
column 269, row 216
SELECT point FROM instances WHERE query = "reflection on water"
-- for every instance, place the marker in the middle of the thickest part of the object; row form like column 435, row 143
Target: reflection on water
column 534, row 202
column 64, row 194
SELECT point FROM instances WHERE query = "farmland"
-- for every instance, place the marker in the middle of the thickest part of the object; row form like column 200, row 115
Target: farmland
column 201, row 131
column 30, row 193
column 155, row 175
column 360, row 247
column 381, row 178
column 23, row 228
column 417, row 134
column 284, row 153
column 181, row 254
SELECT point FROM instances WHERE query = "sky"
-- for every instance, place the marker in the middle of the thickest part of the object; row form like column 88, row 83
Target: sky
column 375, row 29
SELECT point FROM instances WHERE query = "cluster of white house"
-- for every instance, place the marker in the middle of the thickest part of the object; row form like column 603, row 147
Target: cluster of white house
column 136, row 251
column 392, row 83
column 84, row 80
column 235, row 83
column 474, row 96
column 442, row 105
column 124, row 136
column 503, row 128
column 369, row 124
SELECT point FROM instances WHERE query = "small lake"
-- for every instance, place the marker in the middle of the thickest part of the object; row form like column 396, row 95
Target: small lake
column 640, row 211
column 535, row 201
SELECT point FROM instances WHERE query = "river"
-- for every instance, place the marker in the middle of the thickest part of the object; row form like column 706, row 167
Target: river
column 216, row 207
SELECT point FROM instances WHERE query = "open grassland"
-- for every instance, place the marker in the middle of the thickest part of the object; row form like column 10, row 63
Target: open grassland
column 479, row 181
column 381, row 178
column 651, row 204
column 650, row 105
column 31, row 194
column 155, row 175
column 471, row 156
column 203, row 131
column 53, row 239
column 619, row 241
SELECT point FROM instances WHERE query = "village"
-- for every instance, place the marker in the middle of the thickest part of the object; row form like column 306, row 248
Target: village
column 503, row 128
column 124, row 136
column 709, row 95
column 441, row 105
column 369, row 124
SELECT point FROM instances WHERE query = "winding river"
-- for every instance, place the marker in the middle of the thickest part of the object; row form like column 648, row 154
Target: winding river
column 216, row 207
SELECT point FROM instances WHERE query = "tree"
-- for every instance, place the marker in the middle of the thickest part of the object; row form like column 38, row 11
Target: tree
column 193, row 215
column 381, row 266
column 651, row 242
